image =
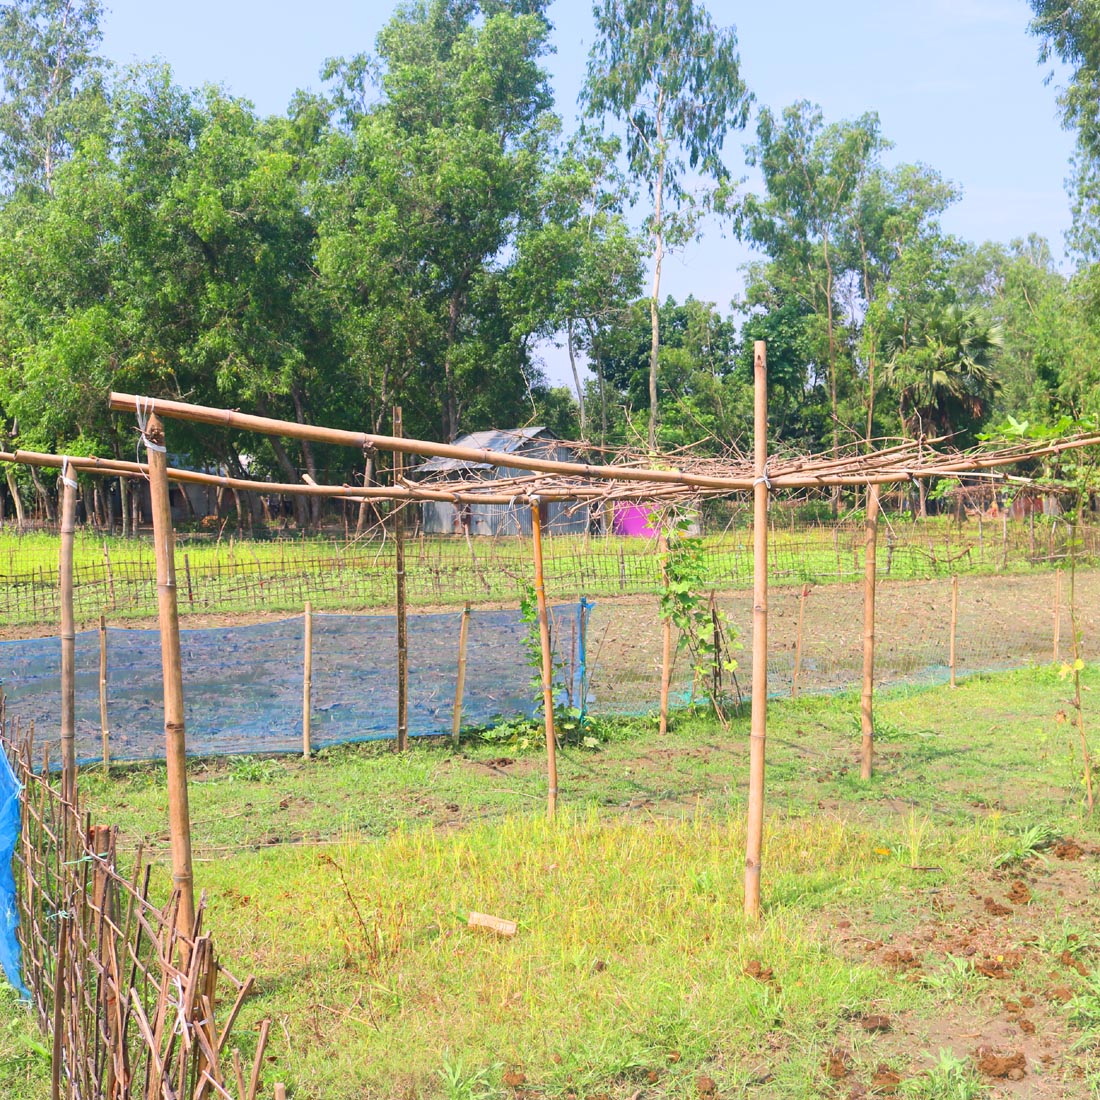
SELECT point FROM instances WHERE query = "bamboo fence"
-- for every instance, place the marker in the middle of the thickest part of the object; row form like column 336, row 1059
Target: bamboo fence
column 133, row 1006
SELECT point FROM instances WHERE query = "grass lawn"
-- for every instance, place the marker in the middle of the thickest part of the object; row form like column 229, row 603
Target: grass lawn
column 934, row 933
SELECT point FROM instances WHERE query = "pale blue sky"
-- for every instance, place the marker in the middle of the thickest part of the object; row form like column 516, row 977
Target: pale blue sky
column 956, row 84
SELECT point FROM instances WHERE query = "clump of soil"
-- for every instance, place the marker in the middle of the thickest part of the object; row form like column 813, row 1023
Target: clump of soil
column 1068, row 848
column 885, row 1081
column 1007, row 1067
column 1019, row 893
column 837, row 1065
column 706, row 1087
column 995, row 908
column 875, row 1023
column 754, row 968
column 901, row 959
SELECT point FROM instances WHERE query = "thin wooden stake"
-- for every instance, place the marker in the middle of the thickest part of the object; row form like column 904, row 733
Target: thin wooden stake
column 175, row 735
column 59, row 974
column 460, row 682
column 307, row 684
column 758, row 736
column 68, row 641
column 666, row 640
column 798, row 642
column 547, row 663
column 402, row 609
column 104, row 729
column 1057, row 615
column 954, row 626
column 867, row 700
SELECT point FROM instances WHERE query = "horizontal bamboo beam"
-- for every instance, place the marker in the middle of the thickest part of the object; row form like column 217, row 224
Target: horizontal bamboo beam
column 109, row 467
column 229, row 418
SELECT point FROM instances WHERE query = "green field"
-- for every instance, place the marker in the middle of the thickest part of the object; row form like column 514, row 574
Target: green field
column 229, row 576
column 910, row 922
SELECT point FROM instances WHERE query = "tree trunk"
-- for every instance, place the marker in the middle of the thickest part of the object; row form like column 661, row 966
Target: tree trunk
column 654, row 302
column 576, row 373
column 16, row 499
column 364, row 505
column 43, row 495
column 301, row 512
column 124, row 505
column 308, row 456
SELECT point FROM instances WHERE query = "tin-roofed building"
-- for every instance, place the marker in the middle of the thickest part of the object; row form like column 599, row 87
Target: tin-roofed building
column 560, row 517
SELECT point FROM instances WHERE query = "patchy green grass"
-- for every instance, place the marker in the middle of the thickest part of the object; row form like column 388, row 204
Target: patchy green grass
column 228, row 575
column 910, row 922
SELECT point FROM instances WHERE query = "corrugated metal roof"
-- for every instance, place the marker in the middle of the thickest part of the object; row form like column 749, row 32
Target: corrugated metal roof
column 507, row 440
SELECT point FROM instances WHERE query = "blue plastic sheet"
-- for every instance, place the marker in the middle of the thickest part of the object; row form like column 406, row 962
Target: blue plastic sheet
column 9, row 912
column 243, row 684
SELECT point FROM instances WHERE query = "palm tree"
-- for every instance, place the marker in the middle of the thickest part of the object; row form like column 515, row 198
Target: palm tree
column 941, row 370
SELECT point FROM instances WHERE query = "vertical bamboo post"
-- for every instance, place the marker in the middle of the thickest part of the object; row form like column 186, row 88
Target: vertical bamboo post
column 460, row 681
column 758, row 736
column 547, row 663
column 175, row 735
column 104, row 729
column 867, row 699
column 68, row 638
column 307, row 683
column 666, row 639
column 954, row 625
column 1057, row 615
column 110, row 572
column 59, row 982
column 402, row 609
column 798, row 642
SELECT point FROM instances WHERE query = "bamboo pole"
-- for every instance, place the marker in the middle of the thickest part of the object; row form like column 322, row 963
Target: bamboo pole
column 547, row 663
column 954, row 625
column 307, row 683
column 798, row 642
column 59, row 1027
column 758, row 736
column 68, row 640
column 1057, row 615
column 104, row 729
column 402, row 606
column 175, row 736
column 867, row 700
column 666, row 641
column 460, row 681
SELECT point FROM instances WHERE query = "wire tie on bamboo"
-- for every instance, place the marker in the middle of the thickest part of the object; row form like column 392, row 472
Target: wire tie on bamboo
column 763, row 479
column 144, row 407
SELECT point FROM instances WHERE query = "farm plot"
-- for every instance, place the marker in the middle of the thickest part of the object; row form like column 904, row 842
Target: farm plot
column 930, row 933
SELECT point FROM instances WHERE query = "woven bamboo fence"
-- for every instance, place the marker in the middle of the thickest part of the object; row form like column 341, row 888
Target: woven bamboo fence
column 133, row 1006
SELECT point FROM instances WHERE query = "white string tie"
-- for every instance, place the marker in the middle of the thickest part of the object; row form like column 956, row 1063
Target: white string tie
column 65, row 479
column 144, row 407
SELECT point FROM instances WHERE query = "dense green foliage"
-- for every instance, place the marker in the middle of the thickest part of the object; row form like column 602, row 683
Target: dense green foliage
column 417, row 231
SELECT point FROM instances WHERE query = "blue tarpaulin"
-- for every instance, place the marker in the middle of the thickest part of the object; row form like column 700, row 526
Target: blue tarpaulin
column 9, row 912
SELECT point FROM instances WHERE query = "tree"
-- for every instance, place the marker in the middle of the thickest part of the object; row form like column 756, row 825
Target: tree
column 578, row 266
column 812, row 173
column 1070, row 30
column 52, row 85
column 421, row 198
column 942, row 370
column 673, row 79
